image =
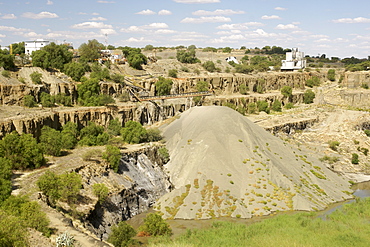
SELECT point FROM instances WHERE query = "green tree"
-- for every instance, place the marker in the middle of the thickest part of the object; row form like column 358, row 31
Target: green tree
column 91, row 51
column 172, row 73
column 22, row 151
column 6, row 73
column 226, row 50
column 202, row 86
column 308, row 96
column 188, row 56
column 263, row 106
column 47, row 100
column 252, row 108
column 243, row 68
column 114, row 127
column 74, row 70
column 163, row 86
column 29, row 101
column 331, row 74
column 6, row 60
column 99, row 73
column 70, row 185
column 136, row 60
column 18, row 48
column 133, row 132
column 36, row 77
column 243, row 89
column 49, row 184
column 287, row 91
column 69, row 135
column 155, row 225
column 51, row 141
column 12, row 231
column 122, row 234
column 5, row 189
column 118, row 78
column 276, row 106
column 101, row 192
column 163, row 153
column 113, row 155
column 209, row 66
column 93, row 135
column 314, row 81
column 152, row 135
column 355, row 159
column 52, row 56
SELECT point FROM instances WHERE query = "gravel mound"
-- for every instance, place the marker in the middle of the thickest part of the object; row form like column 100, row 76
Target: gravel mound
column 222, row 164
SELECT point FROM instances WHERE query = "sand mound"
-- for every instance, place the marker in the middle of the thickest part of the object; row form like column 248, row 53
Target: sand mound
column 222, row 164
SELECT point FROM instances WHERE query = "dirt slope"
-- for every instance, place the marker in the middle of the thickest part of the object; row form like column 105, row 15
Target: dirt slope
column 222, row 164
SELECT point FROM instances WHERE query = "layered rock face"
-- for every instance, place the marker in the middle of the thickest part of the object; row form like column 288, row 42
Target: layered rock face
column 138, row 183
column 222, row 164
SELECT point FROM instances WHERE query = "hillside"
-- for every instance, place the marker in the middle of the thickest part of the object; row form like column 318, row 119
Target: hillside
column 222, row 164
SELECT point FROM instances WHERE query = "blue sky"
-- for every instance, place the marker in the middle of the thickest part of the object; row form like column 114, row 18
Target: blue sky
column 332, row 27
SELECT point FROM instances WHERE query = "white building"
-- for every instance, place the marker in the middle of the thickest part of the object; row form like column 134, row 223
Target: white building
column 31, row 46
column 232, row 59
column 294, row 60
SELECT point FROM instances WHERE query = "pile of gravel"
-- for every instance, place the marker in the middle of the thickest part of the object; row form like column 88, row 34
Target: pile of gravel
column 222, row 164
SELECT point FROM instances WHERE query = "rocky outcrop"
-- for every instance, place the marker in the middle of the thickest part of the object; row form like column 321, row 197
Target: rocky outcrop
column 140, row 181
column 356, row 79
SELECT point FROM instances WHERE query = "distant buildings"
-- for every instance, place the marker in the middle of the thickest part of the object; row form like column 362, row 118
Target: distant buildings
column 35, row 45
column 294, row 61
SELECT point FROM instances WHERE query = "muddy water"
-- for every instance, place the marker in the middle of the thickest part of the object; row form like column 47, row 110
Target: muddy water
column 179, row 227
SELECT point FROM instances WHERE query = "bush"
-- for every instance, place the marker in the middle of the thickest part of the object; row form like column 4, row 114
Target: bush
column 117, row 78
column 287, row 91
column 276, row 106
column 331, row 74
column 252, row 108
column 48, row 184
column 5, row 73
column 70, row 185
column 69, row 135
column 36, row 77
column 153, row 135
column 163, row 153
column 163, row 86
column 74, row 70
column 308, row 96
column 51, row 141
column 172, row 73
column 354, row 159
column 112, row 155
column 133, row 132
column 243, row 89
column 101, row 192
column 29, row 101
column 260, row 87
column 209, row 66
column 47, row 100
column 155, row 225
column 187, row 56
column 367, row 132
column 314, row 81
column 334, row 145
column 263, row 106
column 93, row 135
column 122, row 235
column 12, row 231
column 289, row 105
column 114, row 127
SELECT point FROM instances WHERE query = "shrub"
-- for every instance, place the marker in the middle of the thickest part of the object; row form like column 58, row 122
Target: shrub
column 163, row 86
column 331, row 74
column 289, row 105
column 209, row 66
column 114, row 127
column 47, row 100
column 5, row 73
column 163, row 153
column 93, row 135
column 65, row 239
column 276, row 106
column 70, row 185
column 172, row 73
column 29, row 101
column 101, row 192
column 252, row 108
column 314, row 81
column 367, row 132
column 287, row 91
column 155, row 225
column 354, row 159
column 243, row 89
column 133, row 132
column 112, row 154
column 260, row 88
column 51, row 141
column 36, row 77
column 49, row 184
column 263, row 106
column 118, row 78
column 334, row 145
column 308, row 96
column 152, row 135
column 122, row 235
column 69, row 135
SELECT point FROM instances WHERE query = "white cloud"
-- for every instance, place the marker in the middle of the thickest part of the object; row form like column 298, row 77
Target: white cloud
column 270, row 17
column 108, row 31
column 105, row 1
column 240, row 26
column 82, row 13
column 197, row 1
column 140, row 40
column 13, row 29
column 2, row 35
column 228, row 32
column 286, row 27
column 156, row 25
column 98, row 19
column 49, row 2
column 218, row 12
column 95, row 13
column 41, row 15
column 165, row 31
column 146, row 12
column 261, row 33
column 164, row 12
column 133, row 29
column 354, row 20
column 280, row 8
column 91, row 24
column 32, row 35
column 203, row 19
column 322, row 40
column 228, row 39
column 8, row 17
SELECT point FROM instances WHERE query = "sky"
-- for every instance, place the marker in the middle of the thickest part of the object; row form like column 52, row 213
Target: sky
column 336, row 28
